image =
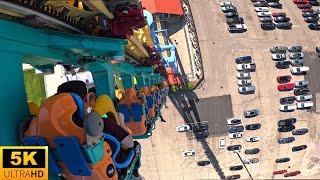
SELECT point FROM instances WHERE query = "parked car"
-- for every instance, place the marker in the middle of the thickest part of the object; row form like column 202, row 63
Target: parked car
column 243, row 75
column 235, row 135
column 301, row 91
column 282, row 160
column 314, row 26
column 226, row 3
column 278, row 49
column 236, row 28
column 235, row 148
column 286, row 140
column 287, row 122
column 222, row 143
column 251, row 113
column 305, row 97
column 246, row 67
column 286, row 87
column 286, row 128
column 235, row 168
column 226, row 9
column 311, row 19
column 235, row 129
column 234, row 20
column 201, row 134
column 234, row 121
column 253, row 139
column 304, row 6
column 260, row 4
column 304, row 105
column 236, row 176
column 279, row 172
column 287, row 107
column 231, row 14
column 307, row 10
column 287, row 100
column 284, row 79
column 294, row 173
column 246, row 89
column 279, row 57
column 243, row 59
column 296, row 48
column 297, row 55
column 301, row 131
column 282, row 64
column 264, row 14
column 203, row 163
column 284, row 25
column 300, row 1
column 298, row 148
column 183, row 128
column 275, row 5
column 252, row 151
column 309, row 14
column 278, row 14
column 300, row 70
column 314, row 2
column 267, row 26
column 244, row 82
column 266, row 19
column 188, row 153
column 301, row 84
column 251, row 161
column 281, row 19
column 261, row 9
column 296, row 62
column 253, row 126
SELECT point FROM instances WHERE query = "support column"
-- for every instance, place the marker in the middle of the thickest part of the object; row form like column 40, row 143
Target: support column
column 127, row 81
column 141, row 81
column 13, row 106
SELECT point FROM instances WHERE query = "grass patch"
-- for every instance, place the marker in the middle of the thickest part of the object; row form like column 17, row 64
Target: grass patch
column 34, row 85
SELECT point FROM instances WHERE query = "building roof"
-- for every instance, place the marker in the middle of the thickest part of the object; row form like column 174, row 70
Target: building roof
column 163, row 6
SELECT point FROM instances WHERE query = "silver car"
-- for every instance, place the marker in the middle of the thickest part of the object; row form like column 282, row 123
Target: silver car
column 244, row 82
column 297, row 62
column 246, row 89
column 300, row 84
column 278, row 49
column 243, row 75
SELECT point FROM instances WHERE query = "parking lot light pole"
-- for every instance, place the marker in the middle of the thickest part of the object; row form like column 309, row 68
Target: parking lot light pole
column 243, row 164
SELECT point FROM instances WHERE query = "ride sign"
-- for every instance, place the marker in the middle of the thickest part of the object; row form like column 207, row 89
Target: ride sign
column 24, row 162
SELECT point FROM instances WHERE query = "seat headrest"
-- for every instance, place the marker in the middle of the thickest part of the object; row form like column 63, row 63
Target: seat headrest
column 78, row 87
column 80, row 113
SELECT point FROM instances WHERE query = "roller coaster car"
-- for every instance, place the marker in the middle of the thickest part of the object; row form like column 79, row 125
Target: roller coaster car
column 134, row 115
column 75, row 152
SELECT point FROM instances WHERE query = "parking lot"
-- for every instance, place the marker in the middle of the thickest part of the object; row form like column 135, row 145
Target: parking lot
column 163, row 158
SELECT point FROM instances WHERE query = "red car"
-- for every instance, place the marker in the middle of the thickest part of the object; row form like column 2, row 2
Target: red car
column 300, row 1
column 304, row 6
column 284, row 79
column 307, row 10
column 277, row 14
column 294, row 173
column 286, row 87
column 279, row 172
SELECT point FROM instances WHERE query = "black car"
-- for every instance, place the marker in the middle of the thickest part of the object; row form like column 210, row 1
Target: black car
column 253, row 126
column 199, row 127
column 243, row 59
column 309, row 14
column 284, row 25
column 275, row 5
column 301, row 91
column 234, row 20
column 234, row 129
column 283, row 64
column 266, row 19
column 235, row 168
column 287, row 122
column 282, row 160
column 314, row 26
column 231, row 14
column 314, row 2
column 236, row 176
column 299, row 148
column 281, row 19
column 286, row 140
column 286, row 128
column 203, row 163
column 260, row 4
column 252, row 151
column 301, row 131
column 202, row 134
column 312, row 19
column 251, row 113
column 234, row 147
column 296, row 48
column 268, row 26
column 287, row 100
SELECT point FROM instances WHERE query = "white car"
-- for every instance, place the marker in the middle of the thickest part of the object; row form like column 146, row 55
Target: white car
column 278, row 57
column 222, row 143
column 287, row 107
column 300, row 84
column 234, row 121
column 262, row 9
column 305, row 97
column 253, row 139
column 188, row 153
column 264, row 14
column 303, row 105
column 243, row 67
column 243, row 75
column 298, row 55
column 244, row 82
column 226, row 3
column 235, row 135
column 300, row 70
column 183, row 128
